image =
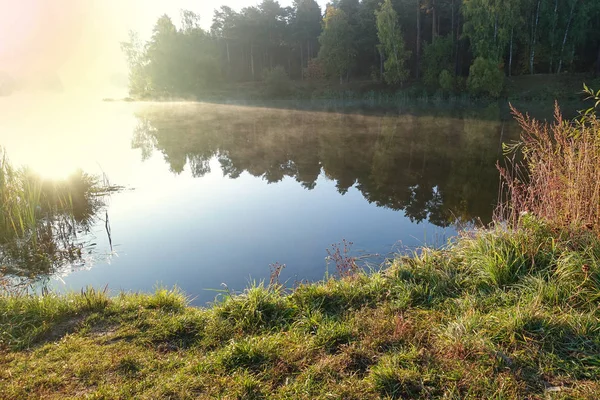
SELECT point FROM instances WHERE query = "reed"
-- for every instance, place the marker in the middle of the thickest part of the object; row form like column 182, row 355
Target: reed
column 40, row 218
column 554, row 172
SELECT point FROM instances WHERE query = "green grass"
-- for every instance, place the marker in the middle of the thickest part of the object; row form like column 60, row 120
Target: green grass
column 497, row 314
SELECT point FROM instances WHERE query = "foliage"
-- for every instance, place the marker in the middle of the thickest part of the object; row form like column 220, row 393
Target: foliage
column 523, row 36
column 446, row 81
column 486, row 27
column 306, row 23
column 337, row 51
column 315, row 70
column 134, row 54
column 173, row 62
column 437, row 56
column 277, row 81
column 392, row 44
column 485, row 78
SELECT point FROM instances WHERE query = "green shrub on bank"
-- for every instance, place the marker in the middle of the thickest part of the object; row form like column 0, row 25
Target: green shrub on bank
column 446, row 81
column 437, row 56
column 485, row 78
column 277, row 82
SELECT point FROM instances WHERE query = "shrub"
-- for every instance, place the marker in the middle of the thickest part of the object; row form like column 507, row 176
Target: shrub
column 446, row 81
column 277, row 81
column 315, row 71
column 437, row 57
column 485, row 78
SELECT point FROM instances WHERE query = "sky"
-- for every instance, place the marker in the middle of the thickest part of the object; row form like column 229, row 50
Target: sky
column 78, row 40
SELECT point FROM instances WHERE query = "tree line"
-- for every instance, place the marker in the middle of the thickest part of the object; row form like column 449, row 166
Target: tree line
column 446, row 44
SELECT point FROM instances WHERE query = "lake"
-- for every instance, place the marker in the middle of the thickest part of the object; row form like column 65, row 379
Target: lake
column 216, row 193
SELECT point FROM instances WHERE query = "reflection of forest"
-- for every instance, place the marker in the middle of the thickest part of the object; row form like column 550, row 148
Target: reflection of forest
column 440, row 168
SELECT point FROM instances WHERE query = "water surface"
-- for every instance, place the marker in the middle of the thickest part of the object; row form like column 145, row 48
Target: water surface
column 216, row 193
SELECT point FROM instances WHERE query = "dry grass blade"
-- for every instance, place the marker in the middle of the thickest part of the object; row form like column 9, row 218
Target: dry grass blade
column 556, row 174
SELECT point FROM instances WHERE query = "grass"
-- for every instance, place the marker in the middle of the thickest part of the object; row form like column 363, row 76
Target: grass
column 451, row 323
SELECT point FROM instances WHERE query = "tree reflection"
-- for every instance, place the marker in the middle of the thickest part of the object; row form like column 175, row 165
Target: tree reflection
column 438, row 168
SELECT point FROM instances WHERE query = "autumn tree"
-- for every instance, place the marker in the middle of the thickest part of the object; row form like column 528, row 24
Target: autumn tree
column 392, row 43
column 337, row 48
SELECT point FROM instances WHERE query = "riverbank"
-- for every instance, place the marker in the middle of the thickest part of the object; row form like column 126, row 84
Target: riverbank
column 496, row 314
column 525, row 88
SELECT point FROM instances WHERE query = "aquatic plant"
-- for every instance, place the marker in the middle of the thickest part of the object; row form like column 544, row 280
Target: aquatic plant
column 42, row 220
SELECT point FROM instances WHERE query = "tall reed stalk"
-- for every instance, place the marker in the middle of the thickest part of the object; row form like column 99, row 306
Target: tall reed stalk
column 555, row 170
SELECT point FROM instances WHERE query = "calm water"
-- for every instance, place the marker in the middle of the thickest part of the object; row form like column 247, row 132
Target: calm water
column 216, row 193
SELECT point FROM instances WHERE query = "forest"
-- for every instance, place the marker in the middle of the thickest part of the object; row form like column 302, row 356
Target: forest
column 445, row 45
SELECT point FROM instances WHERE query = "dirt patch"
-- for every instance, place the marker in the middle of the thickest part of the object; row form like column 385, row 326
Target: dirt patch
column 58, row 331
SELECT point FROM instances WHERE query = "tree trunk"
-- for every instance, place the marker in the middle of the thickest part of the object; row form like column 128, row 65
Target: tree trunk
column 496, row 36
column 433, row 22
column 381, row 60
column 496, row 29
column 510, row 53
column 252, row 61
column 562, row 49
column 418, row 58
column 301, row 62
column 457, row 69
column 533, row 36
column 244, row 71
column 598, row 61
column 228, row 56
column 452, row 31
column 553, row 34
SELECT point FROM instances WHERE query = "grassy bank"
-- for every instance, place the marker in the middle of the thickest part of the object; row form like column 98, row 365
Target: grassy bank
column 497, row 314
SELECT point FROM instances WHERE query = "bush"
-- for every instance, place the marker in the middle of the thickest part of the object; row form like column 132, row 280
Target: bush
column 315, row 70
column 485, row 78
column 446, row 81
column 277, row 81
column 437, row 57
